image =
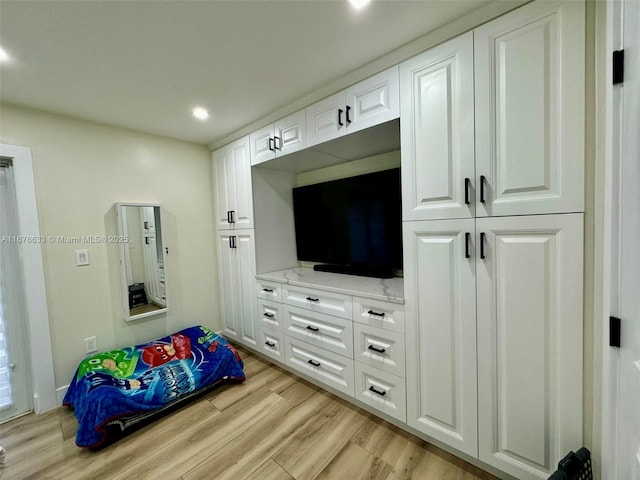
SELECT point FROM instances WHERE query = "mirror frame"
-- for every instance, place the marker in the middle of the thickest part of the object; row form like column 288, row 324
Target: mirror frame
column 124, row 287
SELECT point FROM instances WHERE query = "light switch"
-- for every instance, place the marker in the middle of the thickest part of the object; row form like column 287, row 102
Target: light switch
column 82, row 257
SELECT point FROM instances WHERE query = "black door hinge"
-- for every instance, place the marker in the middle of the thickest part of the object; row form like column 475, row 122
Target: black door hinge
column 614, row 332
column 618, row 67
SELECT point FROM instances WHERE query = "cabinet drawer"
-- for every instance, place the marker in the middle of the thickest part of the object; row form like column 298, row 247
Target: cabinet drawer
column 269, row 291
column 323, row 302
column 389, row 316
column 379, row 348
column 381, row 390
column 327, row 332
column 270, row 315
column 271, row 344
column 334, row 370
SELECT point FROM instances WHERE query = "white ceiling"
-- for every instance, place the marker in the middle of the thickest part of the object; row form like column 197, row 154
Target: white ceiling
column 145, row 64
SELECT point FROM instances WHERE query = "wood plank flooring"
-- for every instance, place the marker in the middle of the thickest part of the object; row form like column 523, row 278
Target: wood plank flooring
column 274, row 426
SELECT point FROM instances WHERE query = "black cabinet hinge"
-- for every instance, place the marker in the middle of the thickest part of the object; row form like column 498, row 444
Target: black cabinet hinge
column 614, row 332
column 618, row 67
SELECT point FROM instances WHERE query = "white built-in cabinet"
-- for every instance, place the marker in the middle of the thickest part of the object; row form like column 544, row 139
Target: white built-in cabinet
column 485, row 356
column 232, row 186
column 492, row 133
column 363, row 105
column 523, row 76
column 283, row 137
column 237, row 270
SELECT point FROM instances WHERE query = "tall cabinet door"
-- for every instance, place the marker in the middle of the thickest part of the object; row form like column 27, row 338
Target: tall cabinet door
column 436, row 132
column 529, row 81
column 529, row 286
column 439, row 272
column 237, row 259
column 224, row 191
column 228, row 280
column 232, row 185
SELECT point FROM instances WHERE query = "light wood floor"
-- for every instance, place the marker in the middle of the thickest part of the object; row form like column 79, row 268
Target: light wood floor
column 273, row 427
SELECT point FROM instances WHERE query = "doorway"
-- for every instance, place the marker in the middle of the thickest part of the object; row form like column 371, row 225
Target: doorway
column 15, row 377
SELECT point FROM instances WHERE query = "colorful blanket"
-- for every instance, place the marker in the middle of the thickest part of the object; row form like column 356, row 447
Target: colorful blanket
column 147, row 377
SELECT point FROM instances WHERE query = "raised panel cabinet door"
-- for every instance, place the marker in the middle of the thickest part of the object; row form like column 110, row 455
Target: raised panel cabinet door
column 243, row 202
column 223, row 188
column 290, row 133
column 530, row 291
column 440, row 317
column 246, row 291
column 326, row 119
column 529, row 83
column 373, row 101
column 262, row 145
column 437, row 132
column 227, row 276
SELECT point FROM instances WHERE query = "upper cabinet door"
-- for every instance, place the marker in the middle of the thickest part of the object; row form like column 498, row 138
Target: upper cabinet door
column 262, row 145
column 223, row 190
column 326, row 119
column 529, row 75
column 436, row 132
column 232, row 186
column 290, row 133
column 529, row 297
column 373, row 101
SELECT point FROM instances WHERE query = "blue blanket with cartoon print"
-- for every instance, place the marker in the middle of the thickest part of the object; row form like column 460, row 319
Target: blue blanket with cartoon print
column 147, row 377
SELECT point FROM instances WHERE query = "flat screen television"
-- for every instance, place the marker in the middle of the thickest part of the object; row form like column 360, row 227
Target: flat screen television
column 352, row 225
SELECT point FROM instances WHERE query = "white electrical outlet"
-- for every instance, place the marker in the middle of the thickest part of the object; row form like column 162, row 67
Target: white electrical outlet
column 90, row 345
column 82, row 257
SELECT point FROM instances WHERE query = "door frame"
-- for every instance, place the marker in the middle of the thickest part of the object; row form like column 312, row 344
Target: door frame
column 38, row 330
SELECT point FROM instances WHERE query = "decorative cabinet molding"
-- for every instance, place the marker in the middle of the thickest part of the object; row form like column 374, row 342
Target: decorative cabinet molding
column 286, row 136
column 436, row 132
column 232, row 186
column 370, row 102
column 529, row 108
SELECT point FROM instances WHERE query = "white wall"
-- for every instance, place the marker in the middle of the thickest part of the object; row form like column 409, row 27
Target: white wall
column 81, row 169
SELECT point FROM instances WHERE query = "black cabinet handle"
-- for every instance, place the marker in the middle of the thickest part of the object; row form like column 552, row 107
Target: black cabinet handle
column 371, row 312
column 230, row 241
column 376, row 349
column 277, row 141
column 271, row 144
column 146, row 225
column 315, row 364
column 467, row 188
column 270, row 344
column 347, row 115
column 268, row 290
column 482, row 237
column 268, row 315
column 340, row 123
column 374, row 390
column 233, row 216
column 228, row 216
column 312, row 299
column 483, row 179
column 313, row 329
column 467, row 237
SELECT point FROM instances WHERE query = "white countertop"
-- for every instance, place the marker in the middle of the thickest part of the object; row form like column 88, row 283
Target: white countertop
column 385, row 289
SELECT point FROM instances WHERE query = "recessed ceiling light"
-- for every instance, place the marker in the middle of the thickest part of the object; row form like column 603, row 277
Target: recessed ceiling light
column 4, row 56
column 358, row 4
column 200, row 113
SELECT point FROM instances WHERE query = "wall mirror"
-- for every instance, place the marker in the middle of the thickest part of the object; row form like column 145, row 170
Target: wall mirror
column 142, row 260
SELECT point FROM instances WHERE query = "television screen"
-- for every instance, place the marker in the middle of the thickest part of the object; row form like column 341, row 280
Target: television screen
column 354, row 222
